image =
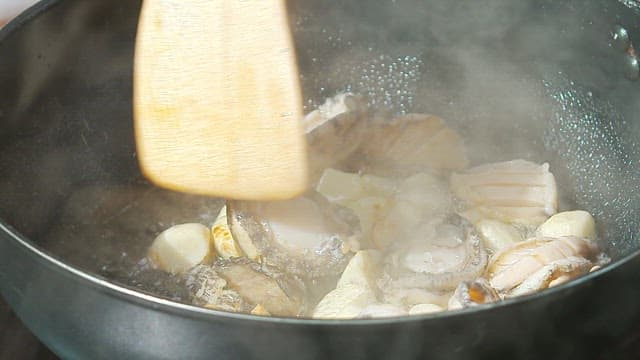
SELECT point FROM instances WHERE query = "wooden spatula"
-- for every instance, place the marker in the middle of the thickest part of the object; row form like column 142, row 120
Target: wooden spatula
column 217, row 100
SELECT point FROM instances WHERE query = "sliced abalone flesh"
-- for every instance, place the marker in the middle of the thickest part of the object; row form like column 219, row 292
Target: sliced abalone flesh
column 306, row 236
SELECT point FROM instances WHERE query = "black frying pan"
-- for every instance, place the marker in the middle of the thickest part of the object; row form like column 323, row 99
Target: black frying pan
column 540, row 79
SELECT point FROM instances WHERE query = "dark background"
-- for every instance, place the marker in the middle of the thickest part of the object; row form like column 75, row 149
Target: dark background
column 16, row 341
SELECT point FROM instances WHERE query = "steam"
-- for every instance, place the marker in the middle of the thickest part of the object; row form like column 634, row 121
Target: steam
column 496, row 71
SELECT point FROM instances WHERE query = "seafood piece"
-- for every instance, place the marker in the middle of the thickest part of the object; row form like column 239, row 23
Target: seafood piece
column 345, row 302
column 334, row 131
column 497, row 235
column 473, row 293
column 180, row 248
column 367, row 195
column 553, row 274
column 577, row 223
column 428, row 190
column 362, row 269
column 208, row 289
column 370, row 211
column 409, row 144
column 421, row 201
column 339, row 104
column 453, row 253
column 306, row 236
column 381, row 310
column 225, row 245
column 419, row 309
column 278, row 293
column 343, row 187
column 242, row 237
column 355, row 290
column 407, row 296
column 516, row 191
column 559, row 280
column 515, row 264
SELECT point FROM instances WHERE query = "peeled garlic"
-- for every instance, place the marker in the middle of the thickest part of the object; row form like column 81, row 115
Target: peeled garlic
column 577, row 223
column 497, row 235
column 225, row 244
column 181, row 247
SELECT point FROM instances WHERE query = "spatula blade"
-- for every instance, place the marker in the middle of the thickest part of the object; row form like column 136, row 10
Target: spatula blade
column 217, row 99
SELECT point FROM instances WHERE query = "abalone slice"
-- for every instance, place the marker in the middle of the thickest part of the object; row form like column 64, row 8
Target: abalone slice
column 554, row 273
column 516, row 191
column 516, row 263
column 452, row 254
column 473, row 293
column 257, row 284
column 306, row 236
column 409, row 144
column 207, row 288
column 240, row 285
column 420, row 202
column 334, row 131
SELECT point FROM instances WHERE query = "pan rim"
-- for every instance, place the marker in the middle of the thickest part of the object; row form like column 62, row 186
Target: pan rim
column 28, row 14
column 127, row 294
column 156, row 303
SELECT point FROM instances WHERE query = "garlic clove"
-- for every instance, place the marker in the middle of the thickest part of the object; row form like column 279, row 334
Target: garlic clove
column 181, row 247
column 577, row 223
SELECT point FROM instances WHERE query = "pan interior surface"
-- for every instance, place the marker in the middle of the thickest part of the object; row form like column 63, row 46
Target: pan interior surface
column 538, row 80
